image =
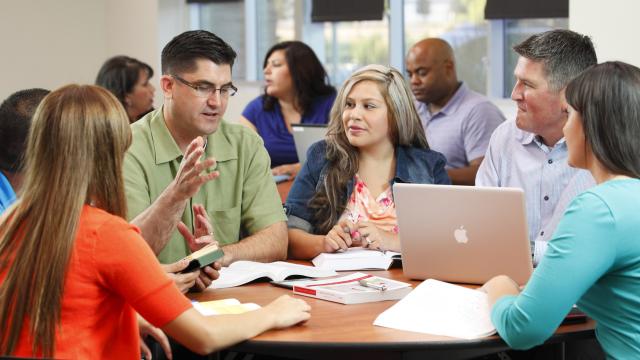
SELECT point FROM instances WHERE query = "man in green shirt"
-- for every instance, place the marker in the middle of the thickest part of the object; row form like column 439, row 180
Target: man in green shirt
column 166, row 178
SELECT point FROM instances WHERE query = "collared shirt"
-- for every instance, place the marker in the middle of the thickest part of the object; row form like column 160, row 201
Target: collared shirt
column 462, row 128
column 7, row 195
column 243, row 199
column 516, row 158
column 413, row 165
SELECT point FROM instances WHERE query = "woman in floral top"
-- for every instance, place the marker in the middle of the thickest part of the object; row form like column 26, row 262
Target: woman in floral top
column 343, row 196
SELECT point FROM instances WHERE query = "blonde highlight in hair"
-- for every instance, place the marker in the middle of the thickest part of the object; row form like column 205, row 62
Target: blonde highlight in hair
column 405, row 129
column 74, row 157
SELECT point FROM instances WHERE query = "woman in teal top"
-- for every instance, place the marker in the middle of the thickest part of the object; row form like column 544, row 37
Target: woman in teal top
column 593, row 259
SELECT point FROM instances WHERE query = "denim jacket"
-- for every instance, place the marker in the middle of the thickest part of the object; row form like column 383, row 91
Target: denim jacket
column 413, row 165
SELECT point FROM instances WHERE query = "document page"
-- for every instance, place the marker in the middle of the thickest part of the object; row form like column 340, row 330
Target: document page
column 440, row 308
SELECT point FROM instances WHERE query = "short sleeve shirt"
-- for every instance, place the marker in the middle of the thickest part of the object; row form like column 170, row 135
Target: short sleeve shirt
column 241, row 201
column 112, row 274
column 461, row 129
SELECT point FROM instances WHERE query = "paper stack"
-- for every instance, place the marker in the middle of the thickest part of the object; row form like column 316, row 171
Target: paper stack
column 440, row 308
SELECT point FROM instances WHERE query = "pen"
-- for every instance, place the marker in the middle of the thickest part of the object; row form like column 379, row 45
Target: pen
column 373, row 285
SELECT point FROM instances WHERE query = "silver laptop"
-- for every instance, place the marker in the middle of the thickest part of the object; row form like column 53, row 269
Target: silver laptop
column 462, row 234
column 304, row 135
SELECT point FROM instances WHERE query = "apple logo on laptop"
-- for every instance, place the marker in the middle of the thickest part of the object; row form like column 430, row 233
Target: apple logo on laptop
column 461, row 235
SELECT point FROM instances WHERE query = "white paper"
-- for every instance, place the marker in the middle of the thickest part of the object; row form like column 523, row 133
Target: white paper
column 355, row 259
column 440, row 308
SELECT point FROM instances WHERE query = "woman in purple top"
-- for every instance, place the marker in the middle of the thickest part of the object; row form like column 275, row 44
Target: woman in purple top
column 297, row 90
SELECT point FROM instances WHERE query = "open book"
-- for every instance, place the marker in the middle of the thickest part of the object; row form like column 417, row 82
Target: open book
column 356, row 259
column 203, row 257
column 222, row 307
column 353, row 289
column 440, row 308
column 242, row 272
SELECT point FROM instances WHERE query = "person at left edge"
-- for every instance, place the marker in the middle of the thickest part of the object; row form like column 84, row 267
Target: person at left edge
column 165, row 175
column 15, row 120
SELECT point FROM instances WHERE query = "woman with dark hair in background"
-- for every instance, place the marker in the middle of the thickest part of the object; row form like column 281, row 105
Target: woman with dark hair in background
column 593, row 259
column 296, row 91
column 128, row 79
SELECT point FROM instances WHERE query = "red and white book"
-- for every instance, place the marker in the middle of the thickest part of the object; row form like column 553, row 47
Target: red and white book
column 355, row 288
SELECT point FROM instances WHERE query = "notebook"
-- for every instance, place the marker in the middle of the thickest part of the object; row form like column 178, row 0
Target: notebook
column 356, row 258
column 462, row 234
column 304, row 135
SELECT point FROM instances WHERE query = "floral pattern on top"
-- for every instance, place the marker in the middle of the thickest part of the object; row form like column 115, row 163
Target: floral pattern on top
column 362, row 206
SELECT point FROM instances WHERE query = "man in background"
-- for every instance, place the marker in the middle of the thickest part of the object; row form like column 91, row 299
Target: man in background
column 15, row 120
column 458, row 121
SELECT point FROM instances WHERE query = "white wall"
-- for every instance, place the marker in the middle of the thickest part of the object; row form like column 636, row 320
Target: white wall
column 132, row 29
column 48, row 44
column 247, row 91
column 173, row 19
column 52, row 43
column 612, row 25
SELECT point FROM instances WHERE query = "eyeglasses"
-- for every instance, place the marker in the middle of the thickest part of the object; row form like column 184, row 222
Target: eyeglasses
column 206, row 90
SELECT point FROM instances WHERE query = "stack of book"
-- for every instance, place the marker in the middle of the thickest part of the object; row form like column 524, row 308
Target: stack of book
column 353, row 289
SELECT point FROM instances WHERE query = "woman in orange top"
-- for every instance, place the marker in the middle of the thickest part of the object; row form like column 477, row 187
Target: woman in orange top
column 73, row 273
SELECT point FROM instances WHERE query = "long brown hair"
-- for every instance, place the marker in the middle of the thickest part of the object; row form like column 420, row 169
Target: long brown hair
column 405, row 129
column 74, row 157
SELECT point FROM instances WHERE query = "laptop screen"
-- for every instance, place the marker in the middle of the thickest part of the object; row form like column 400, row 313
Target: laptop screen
column 462, row 233
column 304, row 135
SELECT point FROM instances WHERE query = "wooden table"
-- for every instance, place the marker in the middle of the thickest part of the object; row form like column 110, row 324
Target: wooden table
column 339, row 331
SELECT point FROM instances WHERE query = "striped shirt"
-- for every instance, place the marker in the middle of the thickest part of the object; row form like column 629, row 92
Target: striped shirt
column 516, row 158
